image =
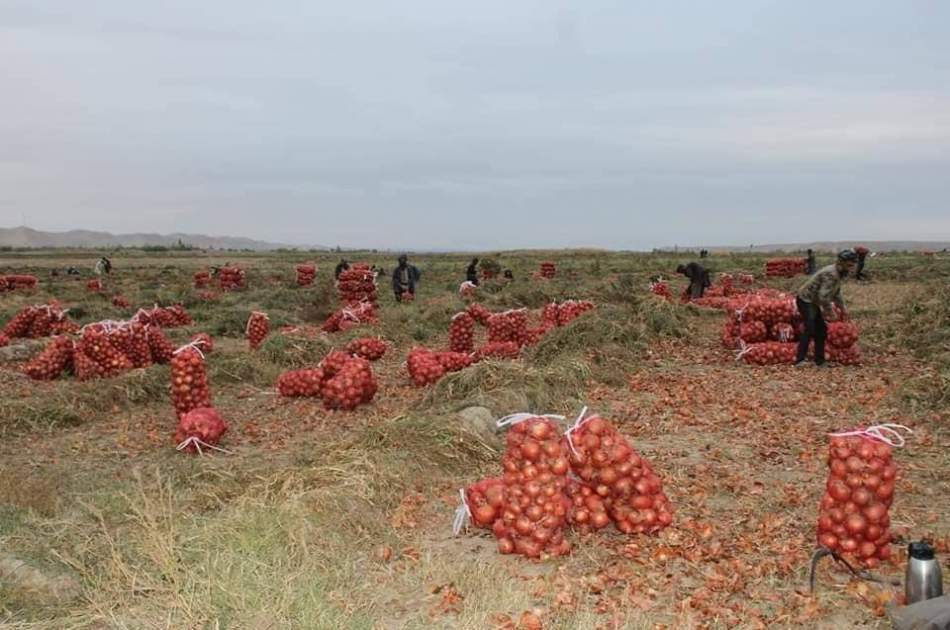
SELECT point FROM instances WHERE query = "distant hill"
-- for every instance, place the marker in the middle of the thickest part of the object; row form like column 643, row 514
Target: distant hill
column 830, row 246
column 28, row 237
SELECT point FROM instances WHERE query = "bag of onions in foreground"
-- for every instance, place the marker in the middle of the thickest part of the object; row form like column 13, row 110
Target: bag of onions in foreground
column 853, row 517
column 200, row 428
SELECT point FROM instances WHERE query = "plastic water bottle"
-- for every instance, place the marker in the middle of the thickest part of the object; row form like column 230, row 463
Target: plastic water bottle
column 924, row 580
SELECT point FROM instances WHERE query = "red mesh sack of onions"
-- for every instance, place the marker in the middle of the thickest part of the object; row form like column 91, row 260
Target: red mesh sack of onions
column 770, row 310
column 353, row 385
column 231, row 278
column 462, row 333
column 258, row 326
column 549, row 315
column 535, row 509
column 201, row 279
column 334, row 362
column 571, row 310
column 134, row 344
column 632, row 492
column 481, row 503
column 754, row 331
column 357, row 284
column 41, row 323
column 844, row 356
column 783, row 332
column 588, row 510
column 785, row 267
column 548, row 269
column 306, row 274
column 769, row 353
column 369, row 348
column 50, row 363
column 200, row 428
column 203, row 341
column 13, row 282
column 853, row 516
column 94, row 286
column 160, row 347
column 83, row 367
column 842, row 334
column 96, row 344
column 424, row 367
column 189, row 381
column 301, row 383
column 19, row 324
column 498, row 350
column 479, row 313
column 508, row 326
column 4, row 340
column 454, row 361
column 119, row 301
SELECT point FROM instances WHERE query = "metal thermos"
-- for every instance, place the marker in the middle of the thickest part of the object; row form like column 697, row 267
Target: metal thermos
column 923, row 580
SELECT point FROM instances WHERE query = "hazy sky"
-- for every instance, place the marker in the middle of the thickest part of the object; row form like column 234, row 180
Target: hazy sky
column 479, row 125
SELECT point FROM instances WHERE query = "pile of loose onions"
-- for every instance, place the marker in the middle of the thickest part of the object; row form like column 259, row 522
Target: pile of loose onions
column 257, row 329
column 853, row 518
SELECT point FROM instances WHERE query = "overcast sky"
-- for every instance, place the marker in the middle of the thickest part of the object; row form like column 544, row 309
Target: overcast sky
column 494, row 124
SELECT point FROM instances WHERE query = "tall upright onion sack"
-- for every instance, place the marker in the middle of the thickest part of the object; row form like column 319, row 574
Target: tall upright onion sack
column 853, row 516
column 536, row 504
column 306, row 274
column 189, row 381
column 632, row 492
column 258, row 326
column 462, row 333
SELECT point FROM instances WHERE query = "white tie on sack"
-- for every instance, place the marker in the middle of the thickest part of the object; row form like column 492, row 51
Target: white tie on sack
column 198, row 443
column 744, row 349
column 515, row 418
column 193, row 344
column 578, row 423
column 886, row 433
column 462, row 514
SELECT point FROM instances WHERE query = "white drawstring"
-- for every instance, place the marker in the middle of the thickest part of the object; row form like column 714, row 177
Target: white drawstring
column 877, row 433
column 193, row 344
column 581, row 419
column 462, row 514
column 198, row 443
column 515, row 418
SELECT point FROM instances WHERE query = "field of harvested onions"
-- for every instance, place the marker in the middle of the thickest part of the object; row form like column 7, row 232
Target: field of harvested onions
column 316, row 518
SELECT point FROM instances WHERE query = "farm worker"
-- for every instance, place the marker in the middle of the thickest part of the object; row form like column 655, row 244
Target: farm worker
column 103, row 266
column 862, row 253
column 810, row 264
column 698, row 279
column 405, row 277
column 508, row 275
column 816, row 300
column 340, row 268
column 471, row 274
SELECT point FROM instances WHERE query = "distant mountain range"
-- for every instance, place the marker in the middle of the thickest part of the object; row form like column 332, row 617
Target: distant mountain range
column 28, row 237
column 830, row 246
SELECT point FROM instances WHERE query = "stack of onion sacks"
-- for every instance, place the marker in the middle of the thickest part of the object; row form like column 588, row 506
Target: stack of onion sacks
column 853, row 518
column 548, row 269
column 603, row 460
column 189, row 381
column 535, row 510
column 306, row 274
column 572, row 309
column 258, row 326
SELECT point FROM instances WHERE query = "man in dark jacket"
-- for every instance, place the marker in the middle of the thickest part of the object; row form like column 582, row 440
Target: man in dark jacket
column 816, row 301
column 405, row 278
column 698, row 279
column 340, row 268
column 471, row 273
